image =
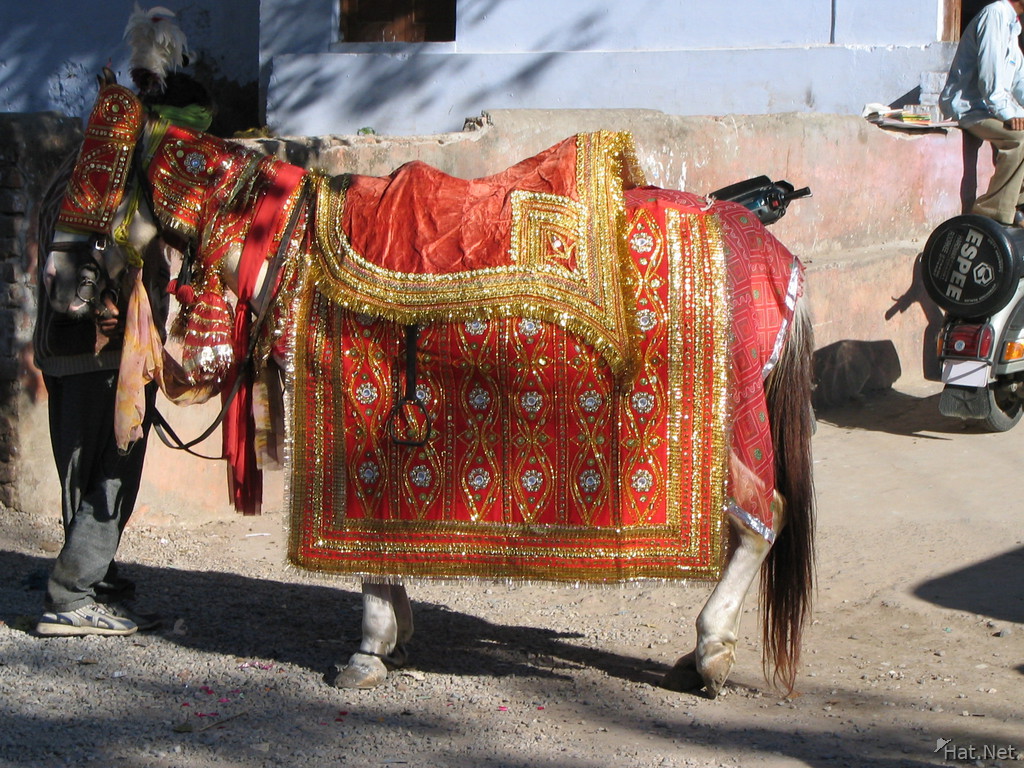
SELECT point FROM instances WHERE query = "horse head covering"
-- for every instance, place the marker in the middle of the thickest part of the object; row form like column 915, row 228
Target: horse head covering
column 97, row 185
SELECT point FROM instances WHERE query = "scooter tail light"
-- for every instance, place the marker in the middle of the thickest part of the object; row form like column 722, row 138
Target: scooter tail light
column 986, row 342
column 968, row 340
column 1013, row 350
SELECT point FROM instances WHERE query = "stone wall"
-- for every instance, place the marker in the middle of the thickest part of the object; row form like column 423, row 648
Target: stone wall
column 31, row 148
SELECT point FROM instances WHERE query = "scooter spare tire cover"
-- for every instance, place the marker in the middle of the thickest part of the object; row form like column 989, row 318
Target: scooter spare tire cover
column 971, row 265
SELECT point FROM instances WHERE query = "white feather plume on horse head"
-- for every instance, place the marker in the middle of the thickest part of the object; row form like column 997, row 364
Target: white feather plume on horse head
column 157, row 44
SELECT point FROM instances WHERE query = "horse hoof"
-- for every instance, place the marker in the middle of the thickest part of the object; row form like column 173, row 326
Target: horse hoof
column 362, row 672
column 714, row 669
column 397, row 658
column 683, row 677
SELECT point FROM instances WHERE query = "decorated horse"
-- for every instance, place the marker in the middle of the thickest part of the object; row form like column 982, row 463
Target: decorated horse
column 556, row 373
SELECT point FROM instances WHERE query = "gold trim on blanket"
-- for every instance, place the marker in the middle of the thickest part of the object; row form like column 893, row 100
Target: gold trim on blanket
column 566, row 263
column 337, row 528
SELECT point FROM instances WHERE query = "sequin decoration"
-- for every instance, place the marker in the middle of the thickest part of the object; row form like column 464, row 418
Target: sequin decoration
column 479, row 479
column 479, row 399
column 195, row 163
column 532, row 480
column 97, row 184
column 560, row 258
column 369, row 472
column 542, row 466
column 532, row 402
column 366, row 393
column 591, row 401
column 590, row 481
column 646, row 319
column 642, row 481
column 421, row 476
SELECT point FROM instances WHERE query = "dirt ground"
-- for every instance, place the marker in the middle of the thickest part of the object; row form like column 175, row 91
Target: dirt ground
column 917, row 638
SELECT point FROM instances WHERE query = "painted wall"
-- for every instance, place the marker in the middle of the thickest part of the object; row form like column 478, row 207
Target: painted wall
column 420, row 93
column 52, row 50
column 639, row 25
column 701, row 57
column 685, row 58
column 907, row 22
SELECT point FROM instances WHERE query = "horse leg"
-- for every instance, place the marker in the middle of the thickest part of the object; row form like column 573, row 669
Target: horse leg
column 387, row 625
column 718, row 624
column 403, row 617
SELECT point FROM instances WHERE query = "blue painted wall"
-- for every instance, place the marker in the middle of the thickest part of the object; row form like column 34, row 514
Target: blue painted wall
column 686, row 57
column 692, row 57
column 52, row 50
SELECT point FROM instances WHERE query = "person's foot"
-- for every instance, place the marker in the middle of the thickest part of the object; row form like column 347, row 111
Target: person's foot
column 114, row 589
column 144, row 620
column 92, row 619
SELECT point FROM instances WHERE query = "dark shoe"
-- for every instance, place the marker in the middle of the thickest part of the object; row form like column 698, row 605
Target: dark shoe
column 1018, row 219
column 112, row 590
column 93, row 619
column 142, row 619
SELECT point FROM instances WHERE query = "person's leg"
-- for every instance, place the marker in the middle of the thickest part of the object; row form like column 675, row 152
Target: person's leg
column 1006, row 188
column 98, row 485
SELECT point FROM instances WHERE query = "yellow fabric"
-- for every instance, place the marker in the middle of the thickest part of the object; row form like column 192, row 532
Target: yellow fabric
column 141, row 358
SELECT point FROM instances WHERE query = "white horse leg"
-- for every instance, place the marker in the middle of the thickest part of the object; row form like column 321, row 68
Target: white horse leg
column 718, row 624
column 387, row 626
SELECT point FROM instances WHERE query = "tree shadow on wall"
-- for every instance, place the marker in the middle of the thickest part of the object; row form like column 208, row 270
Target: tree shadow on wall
column 404, row 81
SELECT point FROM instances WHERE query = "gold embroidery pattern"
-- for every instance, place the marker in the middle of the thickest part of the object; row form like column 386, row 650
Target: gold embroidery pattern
column 582, row 436
column 646, row 406
column 97, row 185
column 365, row 383
column 567, row 260
column 477, row 432
column 533, row 454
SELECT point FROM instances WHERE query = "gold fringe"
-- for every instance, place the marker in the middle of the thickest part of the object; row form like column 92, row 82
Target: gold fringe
column 698, row 302
column 606, row 164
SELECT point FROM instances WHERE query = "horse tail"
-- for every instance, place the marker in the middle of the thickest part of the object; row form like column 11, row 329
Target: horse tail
column 787, row 577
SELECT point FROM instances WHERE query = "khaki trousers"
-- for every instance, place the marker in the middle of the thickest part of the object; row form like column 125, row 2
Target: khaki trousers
column 1005, row 189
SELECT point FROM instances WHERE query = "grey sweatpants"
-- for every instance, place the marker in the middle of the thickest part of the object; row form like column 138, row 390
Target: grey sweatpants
column 99, row 485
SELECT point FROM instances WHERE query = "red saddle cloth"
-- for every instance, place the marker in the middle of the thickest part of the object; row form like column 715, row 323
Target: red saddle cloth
column 543, row 238
column 544, row 464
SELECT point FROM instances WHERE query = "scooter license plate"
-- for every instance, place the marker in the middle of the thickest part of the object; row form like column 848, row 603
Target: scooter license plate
column 965, row 373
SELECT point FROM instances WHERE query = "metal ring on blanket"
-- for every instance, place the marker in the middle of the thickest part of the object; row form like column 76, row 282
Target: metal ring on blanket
column 410, row 406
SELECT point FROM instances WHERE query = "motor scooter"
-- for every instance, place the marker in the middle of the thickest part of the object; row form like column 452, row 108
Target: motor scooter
column 767, row 199
column 972, row 268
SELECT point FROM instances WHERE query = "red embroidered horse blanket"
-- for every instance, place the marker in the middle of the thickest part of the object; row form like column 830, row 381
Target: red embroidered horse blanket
column 547, row 460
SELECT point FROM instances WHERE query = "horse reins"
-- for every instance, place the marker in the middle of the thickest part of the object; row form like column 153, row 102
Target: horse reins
column 163, row 429
column 166, row 433
column 95, row 244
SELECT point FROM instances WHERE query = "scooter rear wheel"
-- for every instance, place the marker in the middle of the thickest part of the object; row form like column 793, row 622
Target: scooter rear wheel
column 1006, row 409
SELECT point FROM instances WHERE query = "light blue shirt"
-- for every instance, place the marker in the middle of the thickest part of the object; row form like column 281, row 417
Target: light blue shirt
column 986, row 78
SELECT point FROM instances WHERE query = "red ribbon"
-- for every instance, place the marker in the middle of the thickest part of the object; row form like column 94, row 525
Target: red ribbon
column 245, row 479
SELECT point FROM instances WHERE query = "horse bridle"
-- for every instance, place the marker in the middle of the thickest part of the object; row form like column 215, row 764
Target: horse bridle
column 95, row 243
column 163, row 429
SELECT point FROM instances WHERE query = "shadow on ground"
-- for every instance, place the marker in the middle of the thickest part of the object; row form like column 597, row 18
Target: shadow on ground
column 896, row 413
column 993, row 588
column 314, row 626
column 311, row 626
